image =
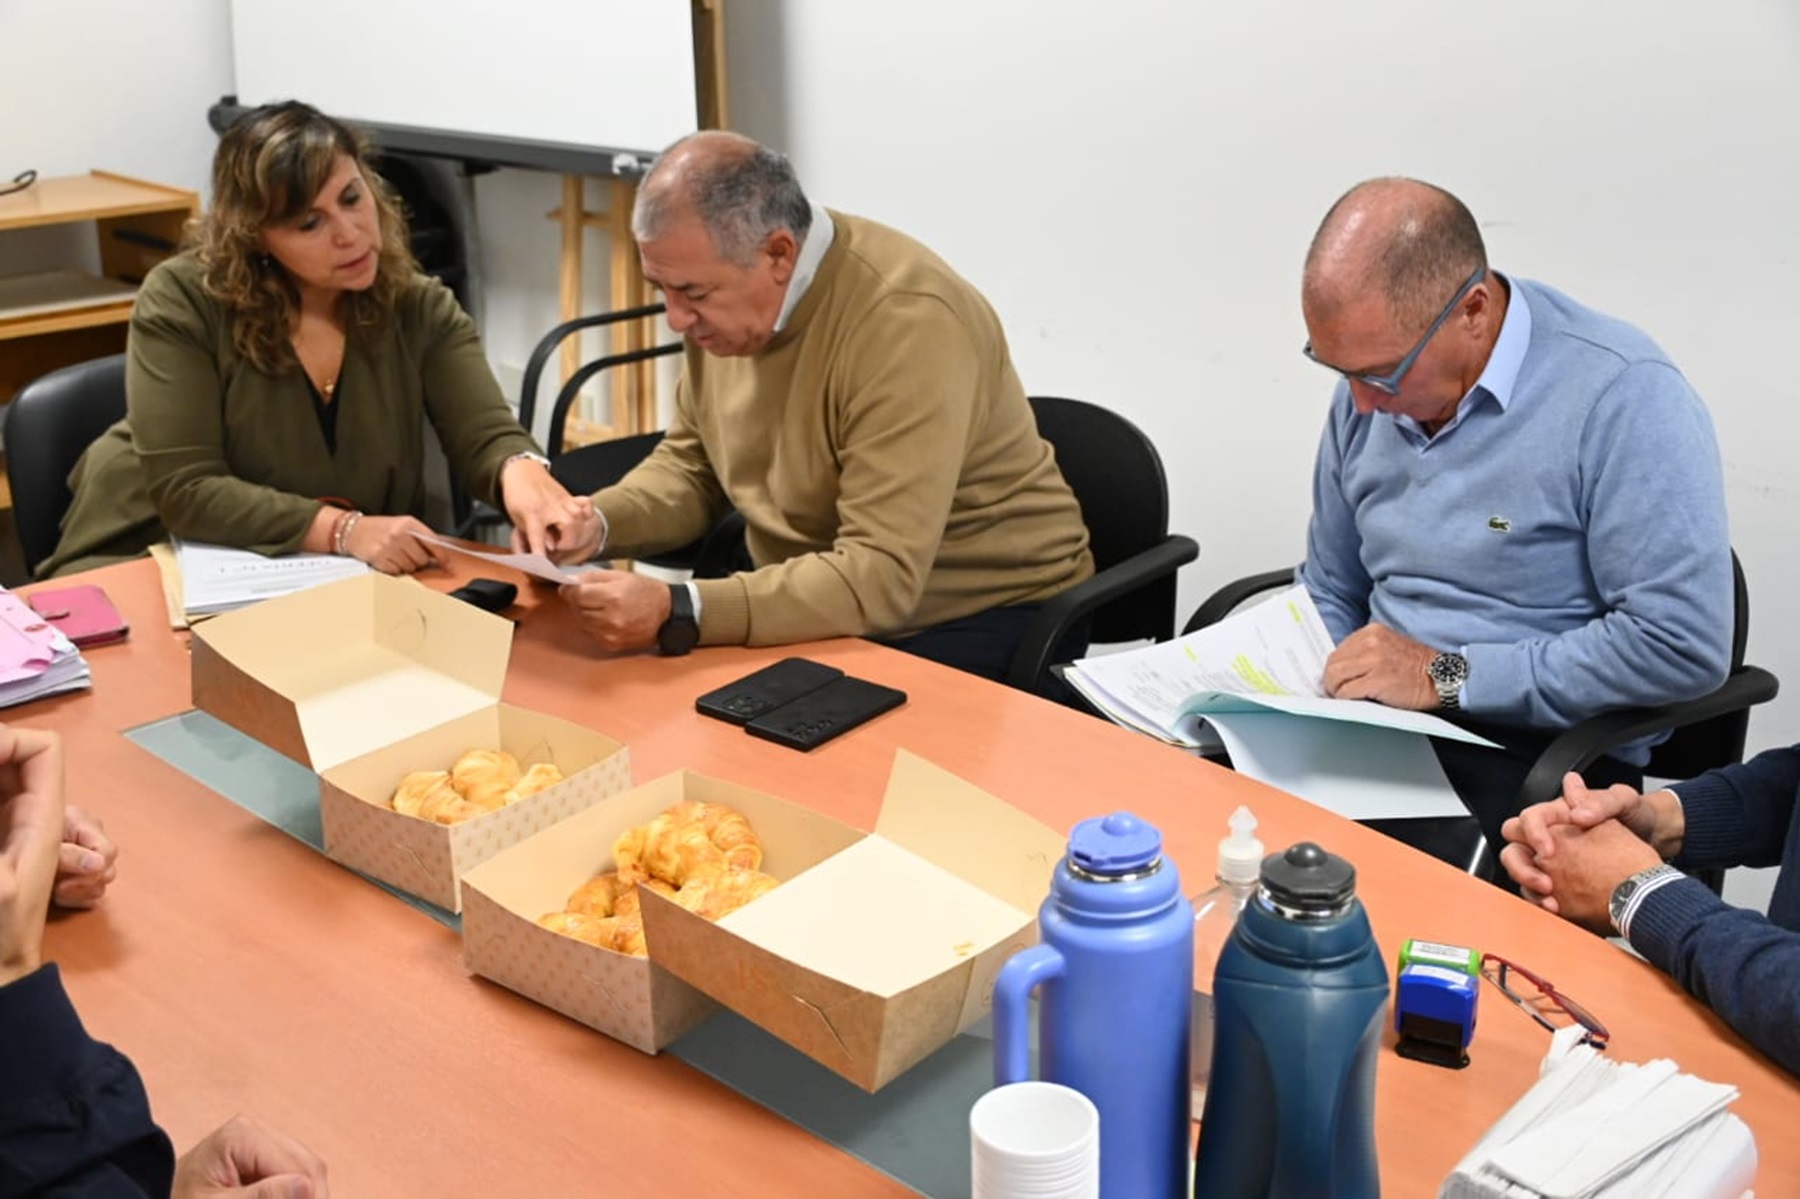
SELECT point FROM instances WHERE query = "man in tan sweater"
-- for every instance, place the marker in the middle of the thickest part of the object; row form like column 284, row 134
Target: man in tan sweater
column 854, row 399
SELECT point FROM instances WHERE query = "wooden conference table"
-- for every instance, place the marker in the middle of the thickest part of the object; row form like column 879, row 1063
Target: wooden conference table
column 244, row 972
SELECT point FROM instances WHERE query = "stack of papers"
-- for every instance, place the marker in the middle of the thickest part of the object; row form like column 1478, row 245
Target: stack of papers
column 216, row 579
column 1252, row 684
column 35, row 658
column 1591, row 1126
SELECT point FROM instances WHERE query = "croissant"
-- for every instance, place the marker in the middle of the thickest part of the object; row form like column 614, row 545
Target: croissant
column 535, row 779
column 628, row 853
column 444, row 806
column 484, row 776
column 673, row 850
column 410, row 795
column 628, row 936
column 729, row 830
column 628, row 902
column 597, row 896
column 595, row 930
column 720, row 894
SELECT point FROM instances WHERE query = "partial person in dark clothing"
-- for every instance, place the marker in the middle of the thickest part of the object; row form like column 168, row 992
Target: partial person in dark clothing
column 1612, row 861
column 74, row 1118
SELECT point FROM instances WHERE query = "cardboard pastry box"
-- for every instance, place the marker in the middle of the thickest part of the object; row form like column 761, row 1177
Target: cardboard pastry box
column 876, row 949
column 368, row 679
column 631, row 999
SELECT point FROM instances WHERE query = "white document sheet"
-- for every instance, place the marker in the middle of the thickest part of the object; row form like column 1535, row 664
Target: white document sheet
column 1268, row 657
column 216, row 578
column 535, row 565
column 1356, row 770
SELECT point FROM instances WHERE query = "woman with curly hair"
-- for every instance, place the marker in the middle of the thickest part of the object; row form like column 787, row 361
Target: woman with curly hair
column 280, row 372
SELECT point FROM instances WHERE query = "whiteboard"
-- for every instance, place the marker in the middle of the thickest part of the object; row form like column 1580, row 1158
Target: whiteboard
column 609, row 74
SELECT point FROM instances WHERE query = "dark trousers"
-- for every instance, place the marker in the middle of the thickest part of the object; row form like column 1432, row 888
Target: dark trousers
column 984, row 644
column 1488, row 782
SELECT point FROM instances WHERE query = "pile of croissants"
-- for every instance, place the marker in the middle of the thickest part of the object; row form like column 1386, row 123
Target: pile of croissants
column 704, row 856
column 481, row 781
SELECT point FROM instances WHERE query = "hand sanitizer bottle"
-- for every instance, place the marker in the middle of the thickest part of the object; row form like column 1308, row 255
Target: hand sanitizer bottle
column 1215, row 915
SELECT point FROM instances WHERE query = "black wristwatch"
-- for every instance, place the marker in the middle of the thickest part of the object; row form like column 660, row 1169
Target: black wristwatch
column 681, row 632
column 1448, row 673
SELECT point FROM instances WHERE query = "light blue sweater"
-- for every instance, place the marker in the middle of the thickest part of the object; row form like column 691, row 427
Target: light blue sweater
column 1566, row 530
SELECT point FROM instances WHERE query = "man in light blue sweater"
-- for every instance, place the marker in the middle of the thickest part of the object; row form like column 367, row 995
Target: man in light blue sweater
column 1518, row 511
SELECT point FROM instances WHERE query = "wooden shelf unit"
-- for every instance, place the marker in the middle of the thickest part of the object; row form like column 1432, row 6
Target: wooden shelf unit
column 137, row 225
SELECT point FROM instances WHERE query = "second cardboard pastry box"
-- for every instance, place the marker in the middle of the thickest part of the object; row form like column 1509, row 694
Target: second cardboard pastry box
column 367, row 679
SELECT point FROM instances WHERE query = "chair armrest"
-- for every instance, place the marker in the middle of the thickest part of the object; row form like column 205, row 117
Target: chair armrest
column 547, row 344
column 1581, row 745
column 1059, row 614
column 1220, row 603
column 717, row 552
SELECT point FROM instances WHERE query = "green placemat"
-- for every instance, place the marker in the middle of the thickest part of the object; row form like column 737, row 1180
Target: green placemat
column 915, row 1129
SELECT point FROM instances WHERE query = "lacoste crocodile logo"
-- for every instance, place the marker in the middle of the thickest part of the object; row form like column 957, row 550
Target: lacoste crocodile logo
column 1499, row 524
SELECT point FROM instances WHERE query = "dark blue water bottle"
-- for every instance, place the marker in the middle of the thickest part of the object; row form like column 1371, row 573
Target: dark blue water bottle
column 1116, row 968
column 1298, row 1003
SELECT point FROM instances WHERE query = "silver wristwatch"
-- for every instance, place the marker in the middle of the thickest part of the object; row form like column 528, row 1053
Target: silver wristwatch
column 1448, row 673
column 1621, row 906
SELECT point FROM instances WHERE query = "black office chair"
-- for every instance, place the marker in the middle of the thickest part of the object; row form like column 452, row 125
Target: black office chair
column 586, row 469
column 49, row 425
column 1704, row 733
column 1117, row 477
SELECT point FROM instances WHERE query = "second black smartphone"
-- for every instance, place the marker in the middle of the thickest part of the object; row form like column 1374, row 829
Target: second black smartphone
column 818, row 716
column 491, row 594
column 761, row 691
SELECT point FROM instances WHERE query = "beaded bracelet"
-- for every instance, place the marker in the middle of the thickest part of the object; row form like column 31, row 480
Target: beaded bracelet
column 340, row 532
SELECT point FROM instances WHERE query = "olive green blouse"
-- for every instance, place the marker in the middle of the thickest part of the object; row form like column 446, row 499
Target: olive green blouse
column 213, row 449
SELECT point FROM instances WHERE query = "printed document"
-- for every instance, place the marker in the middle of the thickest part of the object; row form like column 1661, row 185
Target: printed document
column 535, row 565
column 1251, row 684
column 217, row 578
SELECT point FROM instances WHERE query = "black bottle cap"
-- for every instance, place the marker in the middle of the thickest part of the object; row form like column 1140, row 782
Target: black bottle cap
column 1307, row 879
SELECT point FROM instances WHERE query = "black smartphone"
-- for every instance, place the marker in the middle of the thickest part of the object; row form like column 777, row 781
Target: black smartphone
column 760, row 691
column 491, row 595
column 818, row 716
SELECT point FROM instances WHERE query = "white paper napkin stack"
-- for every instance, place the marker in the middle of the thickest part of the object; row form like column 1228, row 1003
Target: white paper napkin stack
column 1592, row 1126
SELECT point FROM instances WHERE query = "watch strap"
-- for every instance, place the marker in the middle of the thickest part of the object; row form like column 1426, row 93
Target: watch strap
column 1448, row 672
column 681, row 631
column 1629, row 895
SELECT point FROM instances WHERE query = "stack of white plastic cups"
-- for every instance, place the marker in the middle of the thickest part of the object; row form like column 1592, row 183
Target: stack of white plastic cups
column 1035, row 1140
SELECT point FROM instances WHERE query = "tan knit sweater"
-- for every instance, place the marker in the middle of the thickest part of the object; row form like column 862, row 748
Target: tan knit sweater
column 881, row 450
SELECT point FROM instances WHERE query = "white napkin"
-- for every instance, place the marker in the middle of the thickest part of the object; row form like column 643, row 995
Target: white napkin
column 1594, row 1127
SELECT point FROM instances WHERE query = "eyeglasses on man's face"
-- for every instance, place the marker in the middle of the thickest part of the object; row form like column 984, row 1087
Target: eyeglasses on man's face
column 1540, row 999
column 1389, row 383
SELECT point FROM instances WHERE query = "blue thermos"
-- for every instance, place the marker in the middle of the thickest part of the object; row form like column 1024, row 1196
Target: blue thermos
column 1116, row 967
column 1298, row 1001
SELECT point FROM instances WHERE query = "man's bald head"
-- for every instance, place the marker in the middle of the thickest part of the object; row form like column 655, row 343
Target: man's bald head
column 1410, row 242
column 740, row 191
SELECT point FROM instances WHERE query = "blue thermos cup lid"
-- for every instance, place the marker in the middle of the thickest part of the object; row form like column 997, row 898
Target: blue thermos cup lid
column 1114, row 845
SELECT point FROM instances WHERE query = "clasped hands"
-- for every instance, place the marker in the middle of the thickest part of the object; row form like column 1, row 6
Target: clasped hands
column 1568, row 855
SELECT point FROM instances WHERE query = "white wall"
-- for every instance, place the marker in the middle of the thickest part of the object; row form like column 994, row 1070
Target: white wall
column 108, row 85
column 1133, row 184
column 125, row 87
